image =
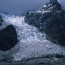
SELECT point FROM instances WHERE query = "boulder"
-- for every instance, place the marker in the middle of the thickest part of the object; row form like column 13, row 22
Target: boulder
column 8, row 38
column 51, row 20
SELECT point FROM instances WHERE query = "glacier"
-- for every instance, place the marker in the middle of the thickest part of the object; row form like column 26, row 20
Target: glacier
column 32, row 43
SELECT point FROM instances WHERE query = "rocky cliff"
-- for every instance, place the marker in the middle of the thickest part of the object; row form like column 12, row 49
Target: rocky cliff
column 49, row 19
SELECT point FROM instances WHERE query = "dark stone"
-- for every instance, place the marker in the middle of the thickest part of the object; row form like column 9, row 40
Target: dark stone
column 8, row 38
column 52, row 21
column 1, row 20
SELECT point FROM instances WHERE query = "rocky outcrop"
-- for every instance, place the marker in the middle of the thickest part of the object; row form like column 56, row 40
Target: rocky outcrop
column 8, row 38
column 51, row 20
column 1, row 20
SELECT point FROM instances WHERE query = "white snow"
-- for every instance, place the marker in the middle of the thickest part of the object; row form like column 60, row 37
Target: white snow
column 42, row 11
column 32, row 43
column 44, row 6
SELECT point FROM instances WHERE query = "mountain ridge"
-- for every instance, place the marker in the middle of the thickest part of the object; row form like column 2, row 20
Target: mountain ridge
column 51, row 20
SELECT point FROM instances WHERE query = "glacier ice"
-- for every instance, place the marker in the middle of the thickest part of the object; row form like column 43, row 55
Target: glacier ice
column 32, row 43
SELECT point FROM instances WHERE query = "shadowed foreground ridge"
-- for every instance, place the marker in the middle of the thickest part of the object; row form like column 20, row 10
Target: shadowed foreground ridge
column 51, row 20
column 38, row 61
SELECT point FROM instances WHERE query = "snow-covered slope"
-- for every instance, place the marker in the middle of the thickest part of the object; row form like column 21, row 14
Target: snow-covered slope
column 31, row 43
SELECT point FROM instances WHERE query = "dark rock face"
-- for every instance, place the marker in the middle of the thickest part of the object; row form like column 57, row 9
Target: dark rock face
column 8, row 38
column 1, row 20
column 53, row 1
column 51, row 20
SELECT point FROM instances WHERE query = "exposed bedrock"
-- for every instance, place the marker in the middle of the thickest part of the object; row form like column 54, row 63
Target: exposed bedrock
column 51, row 20
column 8, row 38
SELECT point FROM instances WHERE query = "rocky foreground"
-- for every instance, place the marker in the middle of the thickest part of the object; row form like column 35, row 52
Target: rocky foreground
column 38, row 61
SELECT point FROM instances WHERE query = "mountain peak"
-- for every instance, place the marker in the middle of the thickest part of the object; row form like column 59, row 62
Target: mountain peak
column 53, row 1
column 55, row 4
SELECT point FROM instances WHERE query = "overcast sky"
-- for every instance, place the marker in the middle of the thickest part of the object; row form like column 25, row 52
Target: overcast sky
column 21, row 6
